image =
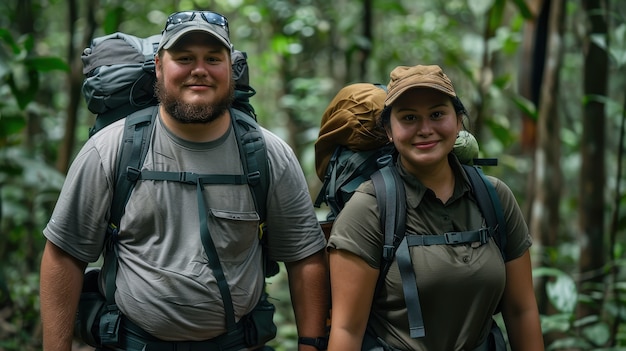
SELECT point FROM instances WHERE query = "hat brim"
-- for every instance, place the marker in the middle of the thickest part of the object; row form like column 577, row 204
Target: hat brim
column 396, row 94
column 170, row 40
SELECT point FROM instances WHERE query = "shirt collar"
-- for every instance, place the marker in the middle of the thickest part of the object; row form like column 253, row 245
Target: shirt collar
column 415, row 190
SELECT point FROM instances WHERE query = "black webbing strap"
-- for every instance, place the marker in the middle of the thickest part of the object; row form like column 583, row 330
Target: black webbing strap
column 322, row 196
column 409, row 287
column 111, row 320
column 132, row 153
column 214, row 260
column 407, row 273
column 193, row 178
column 489, row 205
column 479, row 237
column 329, row 188
column 388, row 191
column 391, row 200
column 253, row 154
column 209, row 246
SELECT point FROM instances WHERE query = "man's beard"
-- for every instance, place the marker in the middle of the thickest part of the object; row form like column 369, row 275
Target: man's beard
column 193, row 113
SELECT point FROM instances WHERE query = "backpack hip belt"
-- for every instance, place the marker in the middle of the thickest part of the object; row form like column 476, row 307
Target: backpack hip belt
column 133, row 338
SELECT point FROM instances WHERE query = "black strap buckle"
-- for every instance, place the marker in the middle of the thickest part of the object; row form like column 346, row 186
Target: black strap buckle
column 254, row 178
column 132, row 173
column 453, row 238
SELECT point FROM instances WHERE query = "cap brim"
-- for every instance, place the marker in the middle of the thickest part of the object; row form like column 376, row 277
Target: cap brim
column 171, row 39
column 396, row 94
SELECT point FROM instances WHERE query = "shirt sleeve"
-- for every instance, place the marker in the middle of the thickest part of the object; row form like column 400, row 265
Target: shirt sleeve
column 80, row 216
column 293, row 229
column 518, row 235
column 357, row 227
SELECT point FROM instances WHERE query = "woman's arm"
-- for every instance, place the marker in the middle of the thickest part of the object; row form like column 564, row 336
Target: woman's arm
column 352, row 283
column 519, row 306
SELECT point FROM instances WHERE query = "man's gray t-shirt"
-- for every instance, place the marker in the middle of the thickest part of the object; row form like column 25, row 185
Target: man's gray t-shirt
column 164, row 282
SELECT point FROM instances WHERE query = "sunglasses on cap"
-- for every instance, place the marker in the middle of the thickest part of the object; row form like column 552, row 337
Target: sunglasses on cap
column 188, row 16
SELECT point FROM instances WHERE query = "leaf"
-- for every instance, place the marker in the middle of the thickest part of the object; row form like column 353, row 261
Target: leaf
column 11, row 125
column 559, row 322
column 562, row 293
column 618, row 46
column 6, row 36
column 47, row 64
column 598, row 332
column 496, row 15
column 113, row 19
column 523, row 9
column 526, row 106
column 29, row 43
column 480, row 7
column 24, row 92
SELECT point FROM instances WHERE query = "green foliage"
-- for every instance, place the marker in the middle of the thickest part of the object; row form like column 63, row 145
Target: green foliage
column 27, row 185
column 22, row 71
column 301, row 52
column 587, row 333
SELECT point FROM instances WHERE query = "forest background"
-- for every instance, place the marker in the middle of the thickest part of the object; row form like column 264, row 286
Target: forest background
column 544, row 82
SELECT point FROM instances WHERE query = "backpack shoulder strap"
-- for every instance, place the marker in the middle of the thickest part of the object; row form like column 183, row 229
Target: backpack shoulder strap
column 489, row 205
column 391, row 199
column 133, row 150
column 253, row 153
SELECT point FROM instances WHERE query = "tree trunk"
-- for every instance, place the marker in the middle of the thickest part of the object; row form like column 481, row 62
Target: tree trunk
column 75, row 79
column 592, row 177
column 368, row 35
column 544, row 217
column 530, row 81
column 532, row 66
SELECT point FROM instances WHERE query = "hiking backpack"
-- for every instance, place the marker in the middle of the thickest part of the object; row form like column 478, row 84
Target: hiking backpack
column 119, row 77
column 119, row 83
column 347, row 157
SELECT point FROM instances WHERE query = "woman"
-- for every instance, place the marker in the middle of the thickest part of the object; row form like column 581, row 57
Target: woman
column 460, row 286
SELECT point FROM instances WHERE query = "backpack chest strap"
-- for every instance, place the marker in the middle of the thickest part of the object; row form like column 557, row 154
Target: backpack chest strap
column 193, row 178
column 209, row 247
column 478, row 237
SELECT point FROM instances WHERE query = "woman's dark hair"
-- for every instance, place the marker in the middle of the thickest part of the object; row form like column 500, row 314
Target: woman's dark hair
column 459, row 108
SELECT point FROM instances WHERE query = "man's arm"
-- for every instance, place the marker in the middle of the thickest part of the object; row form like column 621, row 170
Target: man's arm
column 60, row 285
column 310, row 295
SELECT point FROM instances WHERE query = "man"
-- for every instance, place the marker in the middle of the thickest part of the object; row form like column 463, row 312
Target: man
column 164, row 284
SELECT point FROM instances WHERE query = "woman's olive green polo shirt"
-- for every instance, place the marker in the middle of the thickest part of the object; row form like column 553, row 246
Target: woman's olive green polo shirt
column 459, row 286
